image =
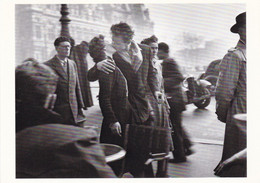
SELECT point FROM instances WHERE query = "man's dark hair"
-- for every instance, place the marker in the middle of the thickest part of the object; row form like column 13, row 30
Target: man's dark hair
column 124, row 30
column 148, row 41
column 62, row 39
column 33, row 82
column 164, row 47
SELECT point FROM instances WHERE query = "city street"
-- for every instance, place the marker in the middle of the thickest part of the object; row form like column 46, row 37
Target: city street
column 207, row 135
column 205, row 131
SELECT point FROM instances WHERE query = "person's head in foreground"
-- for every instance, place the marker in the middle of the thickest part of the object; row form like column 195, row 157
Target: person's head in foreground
column 35, row 84
column 45, row 149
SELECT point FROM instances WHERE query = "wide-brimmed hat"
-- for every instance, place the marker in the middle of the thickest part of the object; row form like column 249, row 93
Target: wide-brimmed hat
column 240, row 20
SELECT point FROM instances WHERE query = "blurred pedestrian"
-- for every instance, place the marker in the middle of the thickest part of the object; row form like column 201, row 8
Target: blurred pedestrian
column 45, row 148
column 231, row 96
column 69, row 101
column 172, row 85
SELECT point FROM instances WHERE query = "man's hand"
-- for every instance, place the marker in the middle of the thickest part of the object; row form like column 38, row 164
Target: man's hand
column 116, row 128
column 107, row 66
column 236, row 158
column 159, row 97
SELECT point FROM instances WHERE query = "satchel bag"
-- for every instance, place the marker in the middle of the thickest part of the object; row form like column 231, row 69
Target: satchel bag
column 143, row 140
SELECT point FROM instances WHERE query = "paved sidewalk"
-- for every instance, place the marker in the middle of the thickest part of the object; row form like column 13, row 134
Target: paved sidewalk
column 200, row 164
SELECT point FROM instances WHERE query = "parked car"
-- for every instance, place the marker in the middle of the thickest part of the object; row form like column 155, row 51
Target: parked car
column 211, row 75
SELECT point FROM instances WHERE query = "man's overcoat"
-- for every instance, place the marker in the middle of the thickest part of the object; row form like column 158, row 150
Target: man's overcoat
column 231, row 99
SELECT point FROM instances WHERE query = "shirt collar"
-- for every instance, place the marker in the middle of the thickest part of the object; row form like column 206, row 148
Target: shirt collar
column 62, row 61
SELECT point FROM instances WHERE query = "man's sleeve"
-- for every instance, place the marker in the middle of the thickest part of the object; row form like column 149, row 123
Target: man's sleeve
column 227, row 83
column 171, row 74
column 93, row 73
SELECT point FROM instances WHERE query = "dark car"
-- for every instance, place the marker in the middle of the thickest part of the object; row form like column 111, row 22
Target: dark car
column 211, row 75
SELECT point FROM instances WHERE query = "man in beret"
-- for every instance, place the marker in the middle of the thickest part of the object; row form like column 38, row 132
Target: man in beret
column 46, row 148
column 231, row 97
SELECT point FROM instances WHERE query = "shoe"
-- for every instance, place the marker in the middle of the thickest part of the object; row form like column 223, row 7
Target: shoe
column 189, row 152
column 178, row 160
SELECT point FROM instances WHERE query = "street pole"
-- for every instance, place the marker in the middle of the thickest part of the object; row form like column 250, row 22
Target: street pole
column 64, row 20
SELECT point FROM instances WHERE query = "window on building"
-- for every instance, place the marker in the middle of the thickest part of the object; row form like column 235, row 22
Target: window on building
column 38, row 32
column 51, row 34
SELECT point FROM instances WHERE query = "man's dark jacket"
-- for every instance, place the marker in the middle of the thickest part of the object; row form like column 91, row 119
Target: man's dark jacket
column 59, row 151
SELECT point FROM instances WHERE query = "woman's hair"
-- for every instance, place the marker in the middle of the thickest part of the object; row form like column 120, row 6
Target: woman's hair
column 124, row 30
column 164, row 47
column 148, row 41
column 97, row 48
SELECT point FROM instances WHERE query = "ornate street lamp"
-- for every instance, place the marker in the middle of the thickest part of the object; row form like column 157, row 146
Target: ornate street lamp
column 64, row 11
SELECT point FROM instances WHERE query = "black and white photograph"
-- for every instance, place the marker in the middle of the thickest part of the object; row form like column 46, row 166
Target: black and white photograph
column 129, row 90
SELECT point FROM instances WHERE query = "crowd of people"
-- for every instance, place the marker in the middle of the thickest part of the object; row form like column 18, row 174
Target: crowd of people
column 139, row 84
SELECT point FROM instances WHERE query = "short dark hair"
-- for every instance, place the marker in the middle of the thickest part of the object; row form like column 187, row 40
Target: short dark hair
column 97, row 48
column 124, row 30
column 148, row 41
column 164, row 47
column 62, row 39
column 33, row 82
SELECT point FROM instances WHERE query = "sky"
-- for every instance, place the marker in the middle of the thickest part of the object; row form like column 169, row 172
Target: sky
column 211, row 21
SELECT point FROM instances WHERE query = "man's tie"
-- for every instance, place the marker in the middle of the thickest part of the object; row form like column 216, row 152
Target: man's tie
column 64, row 65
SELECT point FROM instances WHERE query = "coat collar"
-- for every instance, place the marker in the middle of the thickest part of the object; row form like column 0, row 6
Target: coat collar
column 242, row 46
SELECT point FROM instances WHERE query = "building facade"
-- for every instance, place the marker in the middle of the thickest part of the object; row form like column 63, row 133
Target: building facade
column 37, row 25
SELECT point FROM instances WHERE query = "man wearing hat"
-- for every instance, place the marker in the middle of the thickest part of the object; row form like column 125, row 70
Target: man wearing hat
column 231, row 98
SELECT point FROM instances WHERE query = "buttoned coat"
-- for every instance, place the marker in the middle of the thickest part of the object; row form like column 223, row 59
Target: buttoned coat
column 69, row 99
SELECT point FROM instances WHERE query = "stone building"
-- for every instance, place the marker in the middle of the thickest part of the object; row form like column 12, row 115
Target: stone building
column 37, row 25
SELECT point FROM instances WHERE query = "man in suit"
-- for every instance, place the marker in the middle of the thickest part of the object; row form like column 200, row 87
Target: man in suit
column 46, row 148
column 69, row 101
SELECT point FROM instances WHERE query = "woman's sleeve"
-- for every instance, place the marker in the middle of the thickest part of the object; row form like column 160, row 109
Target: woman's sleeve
column 105, row 91
column 93, row 73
